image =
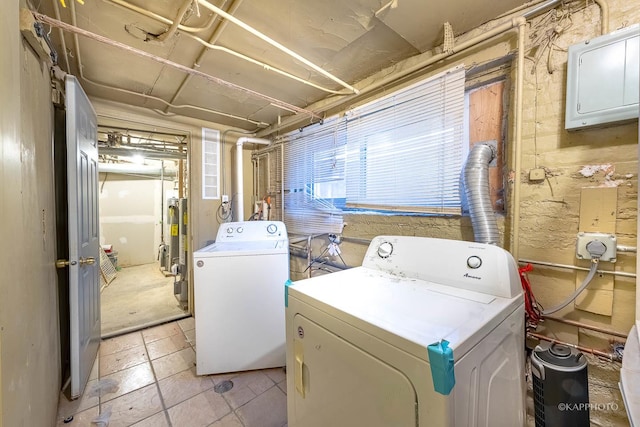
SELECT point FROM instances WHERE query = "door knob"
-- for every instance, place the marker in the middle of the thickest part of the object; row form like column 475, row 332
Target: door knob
column 62, row 263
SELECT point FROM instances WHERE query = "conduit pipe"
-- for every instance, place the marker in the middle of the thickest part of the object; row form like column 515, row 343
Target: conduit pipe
column 261, row 64
column 174, row 25
column 211, row 45
column 519, row 108
column 56, row 10
column 214, row 37
column 476, row 186
column 575, row 267
column 604, row 15
column 609, row 356
column 75, row 30
column 130, row 92
column 275, row 44
column 239, row 172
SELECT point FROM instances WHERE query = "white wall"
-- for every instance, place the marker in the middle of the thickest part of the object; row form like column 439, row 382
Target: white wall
column 132, row 217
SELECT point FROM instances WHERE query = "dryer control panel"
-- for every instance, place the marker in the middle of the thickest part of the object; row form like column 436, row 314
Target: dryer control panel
column 478, row 267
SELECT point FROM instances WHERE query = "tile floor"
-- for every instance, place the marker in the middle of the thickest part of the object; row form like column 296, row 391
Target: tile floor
column 147, row 379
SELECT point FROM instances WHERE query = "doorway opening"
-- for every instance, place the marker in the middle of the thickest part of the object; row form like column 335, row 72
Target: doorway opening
column 143, row 191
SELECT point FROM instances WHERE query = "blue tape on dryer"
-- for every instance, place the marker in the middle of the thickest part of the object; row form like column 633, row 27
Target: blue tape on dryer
column 286, row 292
column 442, row 366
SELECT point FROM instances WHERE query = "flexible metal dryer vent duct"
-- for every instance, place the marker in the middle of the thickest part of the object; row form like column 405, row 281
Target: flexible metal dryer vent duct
column 476, row 186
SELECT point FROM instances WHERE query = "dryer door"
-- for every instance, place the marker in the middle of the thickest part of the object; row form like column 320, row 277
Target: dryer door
column 339, row 385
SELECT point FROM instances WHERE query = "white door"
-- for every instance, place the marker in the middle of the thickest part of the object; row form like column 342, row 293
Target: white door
column 84, row 255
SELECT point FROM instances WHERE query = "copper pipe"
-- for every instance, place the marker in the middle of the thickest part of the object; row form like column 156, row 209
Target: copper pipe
column 586, row 326
column 609, row 356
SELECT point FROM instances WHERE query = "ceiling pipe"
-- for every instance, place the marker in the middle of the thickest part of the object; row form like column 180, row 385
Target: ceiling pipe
column 472, row 42
column 162, row 19
column 239, row 172
column 174, row 25
column 63, row 42
column 261, row 64
column 149, row 154
column 130, row 92
column 212, row 40
column 76, row 30
column 133, row 169
column 211, row 45
column 275, row 44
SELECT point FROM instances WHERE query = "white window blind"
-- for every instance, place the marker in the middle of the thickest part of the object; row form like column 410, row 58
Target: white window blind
column 405, row 151
column 314, row 187
column 210, row 164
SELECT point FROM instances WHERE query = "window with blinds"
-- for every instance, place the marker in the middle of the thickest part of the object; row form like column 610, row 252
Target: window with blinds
column 405, row 151
column 210, row 164
column 402, row 153
column 314, row 187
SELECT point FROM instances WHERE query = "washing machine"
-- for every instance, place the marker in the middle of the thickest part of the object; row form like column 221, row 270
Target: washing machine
column 427, row 332
column 238, row 282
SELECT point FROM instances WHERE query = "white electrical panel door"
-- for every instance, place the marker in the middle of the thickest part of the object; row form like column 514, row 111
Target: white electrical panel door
column 603, row 76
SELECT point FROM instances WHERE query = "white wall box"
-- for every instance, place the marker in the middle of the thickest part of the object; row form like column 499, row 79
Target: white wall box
column 603, row 79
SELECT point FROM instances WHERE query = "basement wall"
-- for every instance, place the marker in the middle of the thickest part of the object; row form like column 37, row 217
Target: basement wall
column 131, row 216
column 30, row 349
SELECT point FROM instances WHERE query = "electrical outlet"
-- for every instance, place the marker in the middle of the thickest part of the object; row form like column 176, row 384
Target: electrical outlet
column 225, row 198
column 537, row 175
column 608, row 240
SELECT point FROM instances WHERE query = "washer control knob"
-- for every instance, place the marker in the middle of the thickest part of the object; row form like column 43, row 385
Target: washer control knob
column 385, row 250
column 229, row 230
column 474, row 261
column 272, row 228
column 240, row 229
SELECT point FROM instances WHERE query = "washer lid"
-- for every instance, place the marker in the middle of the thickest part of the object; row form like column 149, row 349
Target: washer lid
column 243, row 248
column 408, row 313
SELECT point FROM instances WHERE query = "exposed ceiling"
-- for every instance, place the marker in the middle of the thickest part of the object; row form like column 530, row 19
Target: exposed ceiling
column 350, row 39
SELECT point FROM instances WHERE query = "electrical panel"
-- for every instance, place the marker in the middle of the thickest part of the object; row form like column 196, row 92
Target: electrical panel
column 603, row 80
